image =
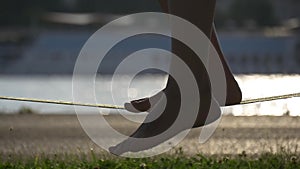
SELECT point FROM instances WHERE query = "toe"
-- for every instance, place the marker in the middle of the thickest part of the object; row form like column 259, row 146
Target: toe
column 137, row 106
column 117, row 150
column 131, row 108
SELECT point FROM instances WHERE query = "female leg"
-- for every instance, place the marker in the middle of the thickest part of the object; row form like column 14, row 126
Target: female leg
column 233, row 96
column 149, row 129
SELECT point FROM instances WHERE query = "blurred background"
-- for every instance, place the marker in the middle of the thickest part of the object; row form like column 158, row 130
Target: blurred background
column 40, row 42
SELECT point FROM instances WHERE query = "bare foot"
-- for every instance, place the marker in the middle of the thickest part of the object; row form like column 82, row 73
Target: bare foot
column 167, row 124
column 234, row 96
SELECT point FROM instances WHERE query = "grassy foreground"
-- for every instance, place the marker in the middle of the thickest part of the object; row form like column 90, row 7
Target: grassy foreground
column 178, row 160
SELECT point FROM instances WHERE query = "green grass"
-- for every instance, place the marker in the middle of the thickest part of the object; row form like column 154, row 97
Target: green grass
column 178, row 160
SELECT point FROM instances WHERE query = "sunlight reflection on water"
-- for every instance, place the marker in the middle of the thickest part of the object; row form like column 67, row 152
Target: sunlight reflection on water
column 60, row 88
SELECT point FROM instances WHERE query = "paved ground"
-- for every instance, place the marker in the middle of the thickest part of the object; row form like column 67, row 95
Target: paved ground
column 50, row 134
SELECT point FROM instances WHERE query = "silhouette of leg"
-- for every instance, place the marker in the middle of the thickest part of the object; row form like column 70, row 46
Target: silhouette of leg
column 234, row 94
column 156, row 126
